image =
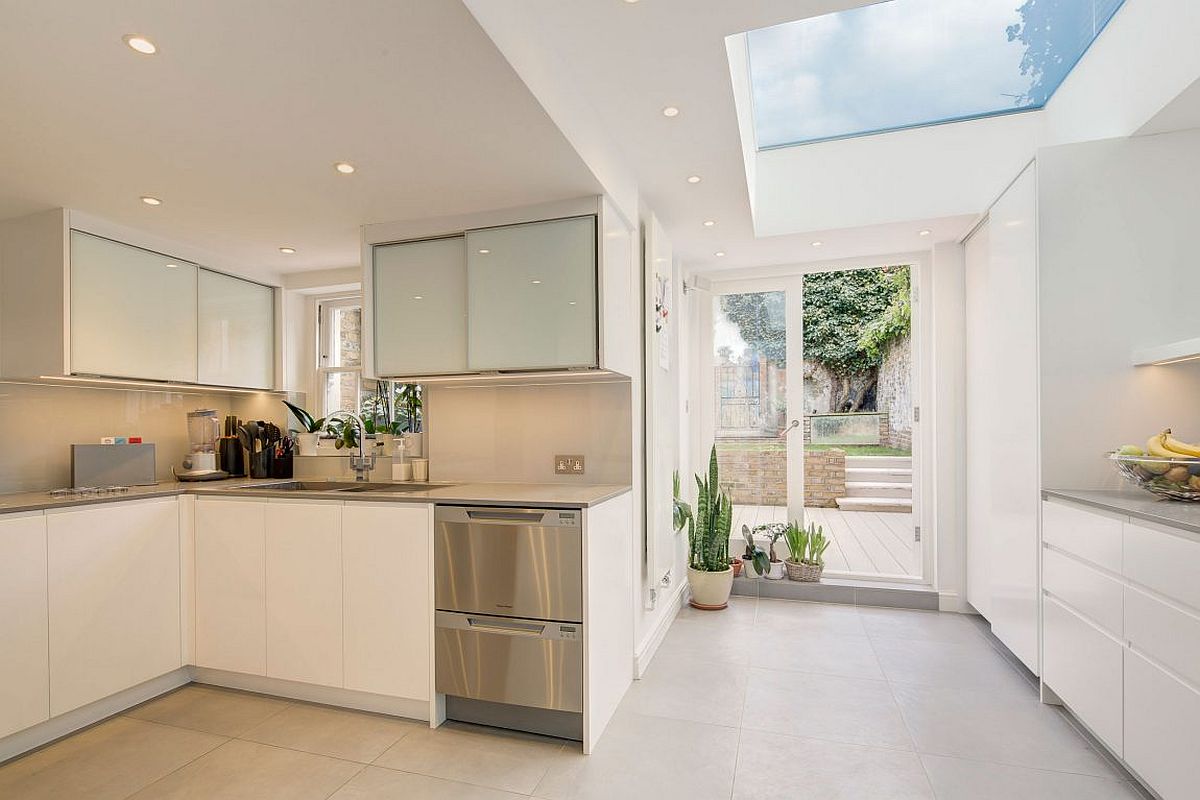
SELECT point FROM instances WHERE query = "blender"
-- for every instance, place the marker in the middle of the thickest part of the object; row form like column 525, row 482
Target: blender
column 200, row 463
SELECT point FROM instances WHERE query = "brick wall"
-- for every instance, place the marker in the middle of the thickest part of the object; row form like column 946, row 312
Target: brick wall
column 824, row 477
column 755, row 473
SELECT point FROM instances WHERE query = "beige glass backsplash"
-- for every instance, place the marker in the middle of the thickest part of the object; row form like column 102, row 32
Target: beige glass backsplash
column 42, row 422
column 512, row 433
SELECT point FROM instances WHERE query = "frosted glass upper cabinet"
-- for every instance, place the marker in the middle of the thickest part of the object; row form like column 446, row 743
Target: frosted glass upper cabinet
column 133, row 312
column 531, row 295
column 420, row 307
column 237, row 332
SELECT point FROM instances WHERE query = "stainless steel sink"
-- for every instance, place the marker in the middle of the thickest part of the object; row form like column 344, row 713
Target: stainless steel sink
column 336, row 486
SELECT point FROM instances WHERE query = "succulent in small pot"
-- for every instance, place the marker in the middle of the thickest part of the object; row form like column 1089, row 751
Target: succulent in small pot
column 754, row 558
column 774, row 531
column 806, row 551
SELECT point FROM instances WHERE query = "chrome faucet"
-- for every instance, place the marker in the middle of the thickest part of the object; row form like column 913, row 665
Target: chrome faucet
column 361, row 463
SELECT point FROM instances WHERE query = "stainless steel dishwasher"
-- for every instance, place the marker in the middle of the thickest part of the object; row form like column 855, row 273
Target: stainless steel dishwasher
column 508, row 586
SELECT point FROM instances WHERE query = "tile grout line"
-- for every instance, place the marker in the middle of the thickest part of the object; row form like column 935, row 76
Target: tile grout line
column 342, row 785
column 163, row 777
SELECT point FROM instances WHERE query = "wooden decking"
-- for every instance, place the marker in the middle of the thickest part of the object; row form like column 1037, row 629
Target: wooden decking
column 864, row 542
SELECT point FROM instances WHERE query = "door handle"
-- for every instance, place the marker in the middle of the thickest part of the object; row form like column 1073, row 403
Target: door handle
column 506, row 516
column 530, row 629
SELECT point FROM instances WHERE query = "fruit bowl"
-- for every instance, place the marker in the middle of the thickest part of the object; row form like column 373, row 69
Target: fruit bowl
column 1176, row 478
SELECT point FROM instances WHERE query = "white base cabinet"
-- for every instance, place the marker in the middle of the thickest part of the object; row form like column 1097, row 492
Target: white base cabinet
column 113, row 588
column 1162, row 726
column 1082, row 664
column 231, row 615
column 24, row 663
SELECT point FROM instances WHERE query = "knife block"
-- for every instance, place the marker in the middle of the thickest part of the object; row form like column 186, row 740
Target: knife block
column 260, row 463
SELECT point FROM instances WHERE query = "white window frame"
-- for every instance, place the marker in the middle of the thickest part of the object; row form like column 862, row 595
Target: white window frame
column 326, row 346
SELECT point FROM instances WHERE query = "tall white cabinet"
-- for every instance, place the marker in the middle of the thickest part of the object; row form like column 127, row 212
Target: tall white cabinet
column 133, row 311
column 24, row 662
column 1003, row 478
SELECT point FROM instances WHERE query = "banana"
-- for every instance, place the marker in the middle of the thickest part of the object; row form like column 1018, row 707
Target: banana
column 1156, row 446
column 1169, row 442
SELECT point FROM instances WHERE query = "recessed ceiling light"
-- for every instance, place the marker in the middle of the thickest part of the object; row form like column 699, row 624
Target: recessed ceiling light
column 670, row 111
column 151, row 201
column 693, row 179
column 817, row 244
column 344, row 167
column 708, row 223
column 418, row 297
column 172, row 266
column 631, row 2
column 139, row 43
column 570, row 302
column 535, row 282
column 719, row 254
column 925, row 232
column 484, row 252
column 287, row 251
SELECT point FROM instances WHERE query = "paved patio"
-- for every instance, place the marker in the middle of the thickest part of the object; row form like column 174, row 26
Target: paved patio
column 864, row 542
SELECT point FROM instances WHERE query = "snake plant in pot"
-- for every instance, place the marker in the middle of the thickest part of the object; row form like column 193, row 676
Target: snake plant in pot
column 709, row 574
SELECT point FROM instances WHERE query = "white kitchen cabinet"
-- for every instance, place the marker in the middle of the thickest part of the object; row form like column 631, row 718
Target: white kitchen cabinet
column 1097, row 596
column 420, row 301
column 133, row 312
column 113, row 579
column 1163, row 561
column 24, row 665
column 1164, row 632
column 1082, row 664
column 304, row 591
column 236, row 332
column 387, row 614
column 1003, row 486
column 231, row 617
column 1162, row 726
column 532, row 295
column 1093, row 536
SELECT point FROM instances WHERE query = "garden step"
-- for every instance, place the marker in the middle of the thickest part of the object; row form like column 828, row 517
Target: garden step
column 867, row 462
column 878, row 489
column 874, row 504
column 884, row 474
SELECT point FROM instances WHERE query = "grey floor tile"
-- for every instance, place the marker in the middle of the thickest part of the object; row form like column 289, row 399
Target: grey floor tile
column 702, row 641
column 481, row 756
column 774, row 767
column 852, row 710
column 920, row 626
column 819, row 653
column 963, row 665
column 239, row 770
column 225, row 712
column 335, row 732
column 793, row 618
column 648, row 758
column 998, row 727
column 740, row 610
column 377, row 783
column 110, row 760
column 688, row 689
column 962, row 779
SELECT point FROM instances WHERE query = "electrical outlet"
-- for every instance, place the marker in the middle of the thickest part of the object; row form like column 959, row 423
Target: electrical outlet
column 568, row 465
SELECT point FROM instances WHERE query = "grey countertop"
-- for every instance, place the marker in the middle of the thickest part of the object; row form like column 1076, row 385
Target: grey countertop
column 555, row 495
column 1141, row 505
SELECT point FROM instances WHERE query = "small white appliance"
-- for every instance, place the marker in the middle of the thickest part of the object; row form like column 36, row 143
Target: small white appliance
column 200, row 463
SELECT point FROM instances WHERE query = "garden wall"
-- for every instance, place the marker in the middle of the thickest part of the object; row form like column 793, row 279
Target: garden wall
column 893, row 393
column 754, row 472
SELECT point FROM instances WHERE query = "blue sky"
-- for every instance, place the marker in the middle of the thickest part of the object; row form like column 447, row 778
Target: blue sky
column 900, row 63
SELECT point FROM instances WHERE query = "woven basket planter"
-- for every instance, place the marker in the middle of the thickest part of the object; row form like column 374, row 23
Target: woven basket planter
column 808, row 573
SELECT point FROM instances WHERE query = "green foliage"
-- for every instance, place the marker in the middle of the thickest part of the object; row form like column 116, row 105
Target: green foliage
column 708, row 530
column 838, row 307
column 896, row 320
column 755, row 555
column 345, row 432
column 681, row 512
column 760, row 320
column 409, row 414
column 806, row 546
column 306, row 419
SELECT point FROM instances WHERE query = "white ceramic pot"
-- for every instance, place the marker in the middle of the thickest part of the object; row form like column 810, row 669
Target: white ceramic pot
column 710, row 590
column 307, row 443
column 414, row 444
column 777, row 572
column 387, row 444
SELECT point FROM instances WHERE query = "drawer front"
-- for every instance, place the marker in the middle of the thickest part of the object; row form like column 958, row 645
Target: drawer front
column 1087, row 590
column 1162, row 726
column 1091, row 536
column 1084, row 667
column 1165, row 562
column 1166, row 634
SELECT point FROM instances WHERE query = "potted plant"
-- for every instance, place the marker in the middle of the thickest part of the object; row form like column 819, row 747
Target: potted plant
column 754, row 557
column 774, row 531
column 806, row 548
column 306, row 441
column 709, row 574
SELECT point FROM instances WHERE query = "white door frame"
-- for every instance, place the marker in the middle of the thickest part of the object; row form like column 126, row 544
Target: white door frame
column 790, row 279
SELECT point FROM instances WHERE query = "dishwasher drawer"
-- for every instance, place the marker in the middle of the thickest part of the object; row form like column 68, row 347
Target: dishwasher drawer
column 503, row 660
column 511, row 562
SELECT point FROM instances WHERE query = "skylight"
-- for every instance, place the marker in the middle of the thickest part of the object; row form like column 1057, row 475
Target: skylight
column 908, row 63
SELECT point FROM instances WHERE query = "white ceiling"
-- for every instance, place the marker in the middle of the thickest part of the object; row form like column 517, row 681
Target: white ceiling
column 236, row 122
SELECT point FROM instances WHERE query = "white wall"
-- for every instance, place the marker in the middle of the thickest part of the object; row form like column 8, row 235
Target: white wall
column 1118, row 261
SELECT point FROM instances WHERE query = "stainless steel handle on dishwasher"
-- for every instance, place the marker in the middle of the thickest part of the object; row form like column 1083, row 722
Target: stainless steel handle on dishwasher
column 506, row 628
column 507, row 516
